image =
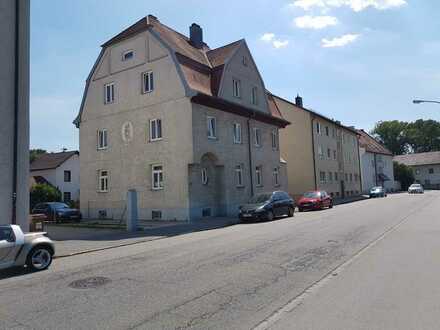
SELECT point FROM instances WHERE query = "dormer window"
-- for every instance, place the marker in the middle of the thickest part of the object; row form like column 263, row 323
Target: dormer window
column 236, row 87
column 128, row 55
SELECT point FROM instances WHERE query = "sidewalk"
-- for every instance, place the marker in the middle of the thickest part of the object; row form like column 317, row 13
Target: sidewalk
column 340, row 201
column 71, row 240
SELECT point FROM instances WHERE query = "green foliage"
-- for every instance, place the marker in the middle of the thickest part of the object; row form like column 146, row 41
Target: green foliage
column 34, row 153
column 402, row 137
column 403, row 174
column 41, row 193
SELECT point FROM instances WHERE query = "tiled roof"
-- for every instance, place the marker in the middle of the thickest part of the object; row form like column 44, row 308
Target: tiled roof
column 51, row 160
column 219, row 55
column 424, row 158
column 371, row 144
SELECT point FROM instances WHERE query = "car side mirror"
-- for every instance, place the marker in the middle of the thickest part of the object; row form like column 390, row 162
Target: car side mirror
column 11, row 239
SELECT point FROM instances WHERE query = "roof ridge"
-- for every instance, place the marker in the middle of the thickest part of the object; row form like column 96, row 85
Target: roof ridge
column 224, row 46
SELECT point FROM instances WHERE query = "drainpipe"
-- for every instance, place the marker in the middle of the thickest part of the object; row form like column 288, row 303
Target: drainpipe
column 250, row 156
column 360, row 167
column 16, row 105
column 375, row 169
column 314, row 157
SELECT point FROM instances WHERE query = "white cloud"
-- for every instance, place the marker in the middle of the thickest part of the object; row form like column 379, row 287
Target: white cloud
column 315, row 22
column 277, row 43
column 339, row 41
column 355, row 5
column 267, row 37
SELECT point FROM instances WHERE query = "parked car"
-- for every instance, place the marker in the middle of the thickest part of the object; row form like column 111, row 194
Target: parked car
column 267, row 206
column 416, row 188
column 35, row 250
column 377, row 192
column 315, row 200
column 56, row 211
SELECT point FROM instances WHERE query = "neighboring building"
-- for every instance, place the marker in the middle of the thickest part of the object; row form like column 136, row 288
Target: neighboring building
column 190, row 128
column 425, row 166
column 321, row 153
column 59, row 169
column 376, row 163
column 14, row 106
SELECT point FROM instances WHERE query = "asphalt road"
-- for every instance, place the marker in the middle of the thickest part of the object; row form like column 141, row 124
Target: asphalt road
column 367, row 265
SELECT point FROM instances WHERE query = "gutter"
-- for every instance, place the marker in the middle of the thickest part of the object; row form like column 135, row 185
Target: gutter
column 16, row 109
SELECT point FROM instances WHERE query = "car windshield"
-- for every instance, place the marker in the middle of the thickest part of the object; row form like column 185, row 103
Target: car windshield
column 260, row 198
column 312, row 194
column 376, row 188
column 415, row 186
column 58, row 206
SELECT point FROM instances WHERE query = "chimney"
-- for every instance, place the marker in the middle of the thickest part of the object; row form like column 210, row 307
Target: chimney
column 299, row 101
column 196, row 35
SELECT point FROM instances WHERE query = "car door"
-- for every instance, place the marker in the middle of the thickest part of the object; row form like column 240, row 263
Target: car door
column 276, row 206
column 7, row 247
column 325, row 199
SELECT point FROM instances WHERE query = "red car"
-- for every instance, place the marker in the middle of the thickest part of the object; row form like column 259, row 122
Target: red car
column 315, row 200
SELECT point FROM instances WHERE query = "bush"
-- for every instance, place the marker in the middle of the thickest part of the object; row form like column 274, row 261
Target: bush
column 42, row 193
column 404, row 175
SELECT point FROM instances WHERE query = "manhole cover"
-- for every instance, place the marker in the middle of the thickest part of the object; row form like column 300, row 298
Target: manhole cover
column 89, row 283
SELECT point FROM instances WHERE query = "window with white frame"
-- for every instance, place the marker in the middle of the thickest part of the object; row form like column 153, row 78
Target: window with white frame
column 318, row 128
column 102, row 139
column 254, row 95
column 245, row 61
column 239, row 175
column 334, row 154
column 274, row 135
column 329, row 153
column 322, row 177
column 330, row 176
column 236, row 88
column 336, row 176
column 257, row 137
column 212, row 127
column 320, row 152
column 103, row 181
column 204, row 173
column 155, row 129
column 327, row 131
column 156, row 177
column 276, row 176
column 259, row 176
column 109, row 93
column 237, row 133
column 147, row 82
column 128, row 55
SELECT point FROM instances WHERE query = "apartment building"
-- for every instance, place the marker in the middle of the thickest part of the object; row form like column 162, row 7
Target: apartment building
column 425, row 166
column 376, row 163
column 321, row 153
column 190, row 128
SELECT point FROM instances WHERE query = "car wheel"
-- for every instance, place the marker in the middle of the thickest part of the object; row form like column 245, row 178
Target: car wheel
column 269, row 216
column 300, row 209
column 331, row 205
column 291, row 212
column 39, row 258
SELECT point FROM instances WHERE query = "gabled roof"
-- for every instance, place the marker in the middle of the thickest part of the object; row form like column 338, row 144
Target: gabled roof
column 51, row 160
column 424, row 158
column 371, row 144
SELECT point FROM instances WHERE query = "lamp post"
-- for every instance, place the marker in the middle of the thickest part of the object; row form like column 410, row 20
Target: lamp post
column 425, row 101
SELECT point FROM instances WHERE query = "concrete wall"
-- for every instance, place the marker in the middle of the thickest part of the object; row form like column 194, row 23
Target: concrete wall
column 7, row 97
column 371, row 167
column 129, row 161
column 228, row 155
column 296, row 148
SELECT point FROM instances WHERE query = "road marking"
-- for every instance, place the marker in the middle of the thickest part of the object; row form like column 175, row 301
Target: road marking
column 297, row 300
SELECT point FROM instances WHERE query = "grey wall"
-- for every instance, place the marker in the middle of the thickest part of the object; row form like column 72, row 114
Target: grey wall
column 7, row 92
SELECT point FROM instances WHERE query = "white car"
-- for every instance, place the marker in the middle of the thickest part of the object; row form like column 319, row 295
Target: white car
column 35, row 250
column 416, row 188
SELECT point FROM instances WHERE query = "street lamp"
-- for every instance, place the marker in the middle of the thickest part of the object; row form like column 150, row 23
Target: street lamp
column 425, row 101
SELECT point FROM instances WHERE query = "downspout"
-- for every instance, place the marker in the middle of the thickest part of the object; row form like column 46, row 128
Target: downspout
column 250, row 156
column 375, row 169
column 360, row 167
column 314, row 156
column 16, row 105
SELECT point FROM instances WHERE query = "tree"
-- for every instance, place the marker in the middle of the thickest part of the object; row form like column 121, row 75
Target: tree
column 403, row 174
column 42, row 192
column 392, row 135
column 423, row 135
column 34, row 153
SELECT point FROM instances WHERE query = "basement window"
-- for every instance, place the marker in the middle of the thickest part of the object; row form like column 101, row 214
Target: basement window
column 156, row 215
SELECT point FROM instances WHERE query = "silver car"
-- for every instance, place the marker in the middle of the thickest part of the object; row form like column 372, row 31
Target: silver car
column 416, row 188
column 34, row 250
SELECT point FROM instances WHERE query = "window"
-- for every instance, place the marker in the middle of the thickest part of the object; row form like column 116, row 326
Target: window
column 157, row 177
column 274, row 135
column 204, row 176
column 276, row 176
column 333, row 132
column 102, row 139
column 259, row 176
column 356, row 177
column 212, row 129
column 103, row 181
column 327, row 131
column 351, row 177
column 236, row 88
column 245, row 61
column 322, row 177
column 346, row 177
column 431, row 171
column 237, row 133
column 320, row 152
column 147, row 82
column 417, row 171
column 127, row 55
column 155, row 129
column 257, row 137
column 336, row 176
column 254, row 96
column 67, row 196
column 329, row 153
column 318, row 128
column 334, row 154
column 330, row 176
column 67, row 176
column 156, row 215
column 239, row 175
column 109, row 93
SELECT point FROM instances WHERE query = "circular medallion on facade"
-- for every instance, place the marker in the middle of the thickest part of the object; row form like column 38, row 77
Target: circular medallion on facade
column 127, row 132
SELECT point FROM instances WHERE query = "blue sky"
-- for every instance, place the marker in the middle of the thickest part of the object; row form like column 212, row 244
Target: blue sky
column 358, row 61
